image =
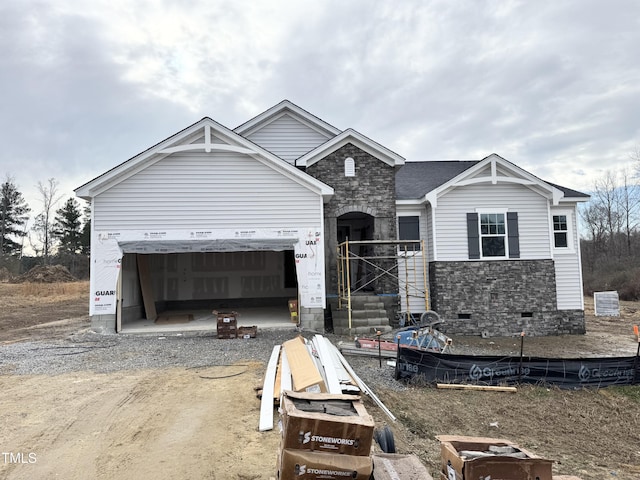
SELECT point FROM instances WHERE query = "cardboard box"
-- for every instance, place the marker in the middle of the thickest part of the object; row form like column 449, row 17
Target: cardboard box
column 227, row 330
column 496, row 467
column 293, row 310
column 248, row 332
column 307, row 465
column 305, row 376
column 317, row 422
column 226, row 317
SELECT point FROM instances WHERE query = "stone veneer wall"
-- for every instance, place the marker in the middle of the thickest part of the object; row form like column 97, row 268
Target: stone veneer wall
column 500, row 298
column 372, row 191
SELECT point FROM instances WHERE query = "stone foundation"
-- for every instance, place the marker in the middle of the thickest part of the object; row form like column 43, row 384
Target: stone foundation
column 312, row 319
column 500, row 298
column 105, row 324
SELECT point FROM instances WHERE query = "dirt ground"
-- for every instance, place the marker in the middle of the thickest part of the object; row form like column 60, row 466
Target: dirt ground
column 202, row 423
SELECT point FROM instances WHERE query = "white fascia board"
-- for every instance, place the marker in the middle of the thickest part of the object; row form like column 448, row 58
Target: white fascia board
column 172, row 145
column 520, row 176
column 574, row 199
column 413, row 201
column 351, row 136
column 277, row 111
column 135, row 164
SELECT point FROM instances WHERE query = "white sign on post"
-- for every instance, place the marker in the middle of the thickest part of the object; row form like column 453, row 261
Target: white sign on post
column 606, row 304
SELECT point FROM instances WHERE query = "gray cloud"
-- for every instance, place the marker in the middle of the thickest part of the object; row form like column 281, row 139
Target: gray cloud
column 551, row 86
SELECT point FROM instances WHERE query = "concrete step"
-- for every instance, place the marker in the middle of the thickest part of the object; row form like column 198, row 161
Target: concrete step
column 374, row 306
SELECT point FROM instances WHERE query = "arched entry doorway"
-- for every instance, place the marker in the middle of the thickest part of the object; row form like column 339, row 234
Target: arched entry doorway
column 357, row 226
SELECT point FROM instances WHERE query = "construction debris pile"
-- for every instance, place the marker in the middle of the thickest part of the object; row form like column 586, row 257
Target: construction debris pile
column 46, row 274
column 326, row 430
column 227, row 326
column 328, row 434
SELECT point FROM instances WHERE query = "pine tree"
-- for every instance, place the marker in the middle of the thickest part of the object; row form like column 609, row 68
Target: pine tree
column 67, row 227
column 14, row 213
column 86, row 231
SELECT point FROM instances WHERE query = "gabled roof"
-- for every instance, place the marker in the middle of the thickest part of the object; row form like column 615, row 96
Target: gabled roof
column 185, row 140
column 416, row 179
column 426, row 180
column 355, row 138
column 282, row 108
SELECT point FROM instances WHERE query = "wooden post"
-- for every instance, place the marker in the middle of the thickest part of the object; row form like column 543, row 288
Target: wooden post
column 406, row 283
column 424, row 276
column 348, row 274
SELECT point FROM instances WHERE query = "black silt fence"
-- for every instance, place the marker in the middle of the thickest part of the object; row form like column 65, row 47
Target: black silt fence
column 488, row 370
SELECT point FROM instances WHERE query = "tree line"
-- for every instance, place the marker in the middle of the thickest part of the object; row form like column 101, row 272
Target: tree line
column 55, row 236
column 610, row 232
column 610, row 237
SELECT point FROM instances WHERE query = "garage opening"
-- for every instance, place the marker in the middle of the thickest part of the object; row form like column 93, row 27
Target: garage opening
column 180, row 290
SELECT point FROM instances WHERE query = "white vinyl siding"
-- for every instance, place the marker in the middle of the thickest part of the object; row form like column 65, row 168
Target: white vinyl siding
column 568, row 268
column 215, row 190
column 413, row 265
column 451, row 226
column 287, row 138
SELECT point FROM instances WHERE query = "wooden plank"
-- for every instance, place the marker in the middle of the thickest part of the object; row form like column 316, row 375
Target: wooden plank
column 266, row 403
column 145, row 286
column 484, row 388
column 304, row 373
column 333, row 384
column 285, row 383
column 347, row 349
column 277, row 386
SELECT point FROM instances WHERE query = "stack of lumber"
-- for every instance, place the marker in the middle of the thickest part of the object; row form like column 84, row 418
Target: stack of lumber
column 311, row 366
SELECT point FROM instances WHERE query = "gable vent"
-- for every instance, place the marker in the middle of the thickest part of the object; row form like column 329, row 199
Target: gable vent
column 349, row 167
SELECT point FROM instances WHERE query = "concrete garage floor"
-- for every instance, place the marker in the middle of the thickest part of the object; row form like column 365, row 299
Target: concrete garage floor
column 204, row 320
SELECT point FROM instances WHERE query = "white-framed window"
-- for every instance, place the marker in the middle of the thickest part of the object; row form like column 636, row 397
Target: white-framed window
column 562, row 230
column 493, row 235
column 349, row 167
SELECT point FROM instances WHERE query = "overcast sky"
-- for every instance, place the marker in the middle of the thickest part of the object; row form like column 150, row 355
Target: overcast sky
column 551, row 85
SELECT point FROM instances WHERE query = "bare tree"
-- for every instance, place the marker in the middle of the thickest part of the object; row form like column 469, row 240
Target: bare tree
column 44, row 222
column 629, row 202
column 607, row 198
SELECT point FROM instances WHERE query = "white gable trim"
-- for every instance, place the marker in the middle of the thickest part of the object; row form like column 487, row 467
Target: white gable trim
column 173, row 144
column 518, row 176
column 355, row 138
column 282, row 108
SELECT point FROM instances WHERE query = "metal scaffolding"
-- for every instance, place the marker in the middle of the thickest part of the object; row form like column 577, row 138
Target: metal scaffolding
column 407, row 252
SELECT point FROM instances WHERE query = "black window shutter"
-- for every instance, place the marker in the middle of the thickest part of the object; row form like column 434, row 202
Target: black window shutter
column 514, row 239
column 473, row 236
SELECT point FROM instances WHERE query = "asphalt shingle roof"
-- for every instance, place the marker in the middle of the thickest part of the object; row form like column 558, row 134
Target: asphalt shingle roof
column 415, row 179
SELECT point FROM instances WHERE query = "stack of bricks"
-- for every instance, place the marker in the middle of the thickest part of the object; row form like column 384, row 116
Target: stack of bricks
column 227, row 324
